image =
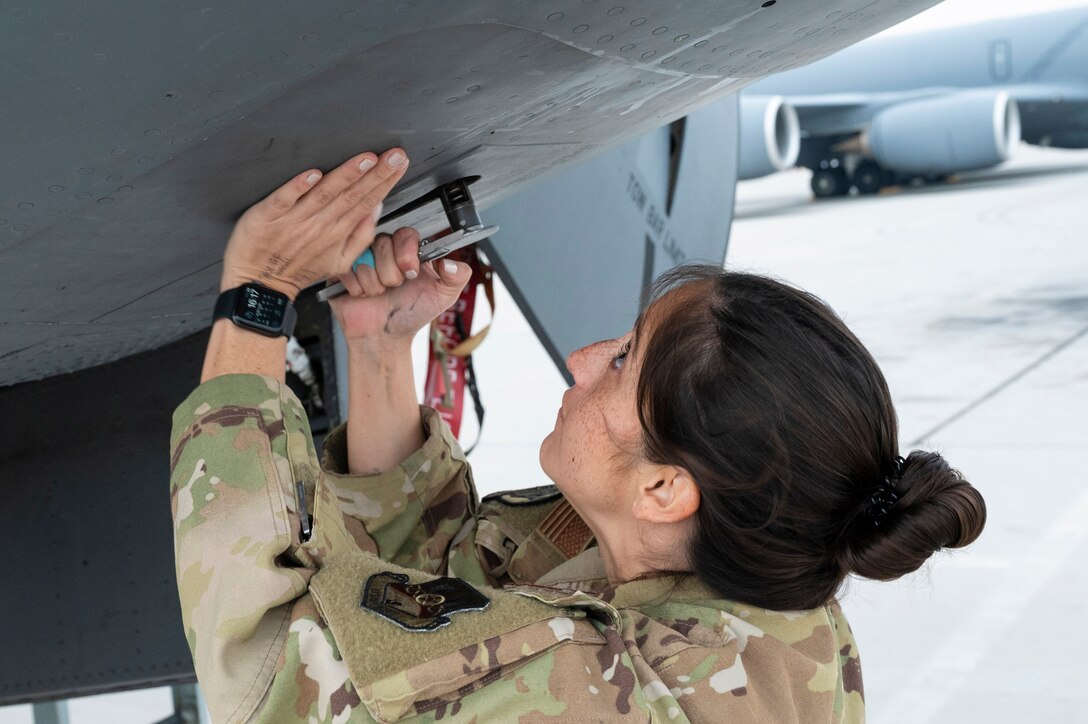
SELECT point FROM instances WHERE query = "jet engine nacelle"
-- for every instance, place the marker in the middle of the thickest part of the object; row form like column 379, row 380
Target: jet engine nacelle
column 960, row 132
column 770, row 136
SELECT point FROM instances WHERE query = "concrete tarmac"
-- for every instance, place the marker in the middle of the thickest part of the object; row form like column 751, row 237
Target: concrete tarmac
column 973, row 296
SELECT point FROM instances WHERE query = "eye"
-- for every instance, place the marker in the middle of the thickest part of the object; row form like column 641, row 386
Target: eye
column 617, row 361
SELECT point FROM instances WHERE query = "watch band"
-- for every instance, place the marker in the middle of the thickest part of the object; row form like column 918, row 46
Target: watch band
column 226, row 306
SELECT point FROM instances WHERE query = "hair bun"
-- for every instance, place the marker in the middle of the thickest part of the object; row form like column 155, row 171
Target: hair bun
column 936, row 508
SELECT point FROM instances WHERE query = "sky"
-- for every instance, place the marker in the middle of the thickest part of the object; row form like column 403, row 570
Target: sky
column 963, row 12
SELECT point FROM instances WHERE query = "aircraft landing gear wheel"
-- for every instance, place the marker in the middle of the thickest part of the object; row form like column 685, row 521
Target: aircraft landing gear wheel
column 868, row 177
column 828, row 182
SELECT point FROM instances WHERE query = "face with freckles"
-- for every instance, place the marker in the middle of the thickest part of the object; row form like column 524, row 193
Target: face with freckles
column 597, row 432
column 593, row 454
column 640, row 512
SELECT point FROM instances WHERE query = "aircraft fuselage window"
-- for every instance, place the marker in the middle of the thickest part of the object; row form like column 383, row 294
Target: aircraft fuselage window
column 1001, row 59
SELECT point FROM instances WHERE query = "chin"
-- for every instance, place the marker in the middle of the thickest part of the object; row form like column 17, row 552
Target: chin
column 543, row 456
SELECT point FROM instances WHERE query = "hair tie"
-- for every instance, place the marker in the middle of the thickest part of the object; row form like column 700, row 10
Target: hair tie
column 885, row 496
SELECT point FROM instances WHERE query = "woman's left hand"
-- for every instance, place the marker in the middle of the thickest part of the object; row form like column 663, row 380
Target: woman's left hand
column 312, row 227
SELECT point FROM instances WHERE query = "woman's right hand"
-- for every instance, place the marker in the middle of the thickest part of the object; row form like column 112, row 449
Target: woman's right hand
column 396, row 298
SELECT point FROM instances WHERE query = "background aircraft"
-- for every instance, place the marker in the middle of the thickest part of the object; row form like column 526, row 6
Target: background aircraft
column 923, row 105
column 136, row 132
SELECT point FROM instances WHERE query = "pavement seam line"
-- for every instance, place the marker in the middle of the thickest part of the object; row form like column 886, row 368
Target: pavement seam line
column 1005, row 384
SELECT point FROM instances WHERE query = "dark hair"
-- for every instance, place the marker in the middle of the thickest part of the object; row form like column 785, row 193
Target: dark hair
column 785, row 422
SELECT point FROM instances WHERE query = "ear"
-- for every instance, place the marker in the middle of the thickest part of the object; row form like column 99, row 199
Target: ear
column 669, row 496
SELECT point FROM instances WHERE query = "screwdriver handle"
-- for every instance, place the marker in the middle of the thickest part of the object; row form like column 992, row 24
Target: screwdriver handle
column 367, row 257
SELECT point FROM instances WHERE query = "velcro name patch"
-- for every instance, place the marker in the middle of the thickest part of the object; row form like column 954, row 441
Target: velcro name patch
column 420, row 606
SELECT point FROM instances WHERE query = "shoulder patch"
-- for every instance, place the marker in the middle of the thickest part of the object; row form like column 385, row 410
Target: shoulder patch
column 526, row 496
column 420, row 606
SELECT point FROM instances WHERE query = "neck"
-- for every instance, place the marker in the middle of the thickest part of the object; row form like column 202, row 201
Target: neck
column 631, row 550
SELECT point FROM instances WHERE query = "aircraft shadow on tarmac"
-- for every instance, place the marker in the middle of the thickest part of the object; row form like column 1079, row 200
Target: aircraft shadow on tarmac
column 1035, row 308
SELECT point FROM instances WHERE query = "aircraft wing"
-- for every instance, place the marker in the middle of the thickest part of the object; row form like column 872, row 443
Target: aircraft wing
column 839, row 113
column 823, row 115
column 923, row 105
column 1049, row 93
column 136, row 132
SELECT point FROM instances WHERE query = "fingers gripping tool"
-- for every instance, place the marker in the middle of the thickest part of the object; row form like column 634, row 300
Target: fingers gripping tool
column 467, row 229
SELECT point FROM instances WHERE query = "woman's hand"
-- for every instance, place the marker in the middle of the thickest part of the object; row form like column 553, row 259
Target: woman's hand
column 396, row 298
column 384, row 307
column 312, row 227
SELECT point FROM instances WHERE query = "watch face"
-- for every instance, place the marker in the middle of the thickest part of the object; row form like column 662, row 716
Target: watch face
column 261, row 309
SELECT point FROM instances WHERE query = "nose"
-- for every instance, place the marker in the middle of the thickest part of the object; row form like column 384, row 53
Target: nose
column 583, row 362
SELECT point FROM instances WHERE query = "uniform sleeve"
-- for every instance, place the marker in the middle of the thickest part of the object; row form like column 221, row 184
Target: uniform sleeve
column 239, row 445
column 414, row 511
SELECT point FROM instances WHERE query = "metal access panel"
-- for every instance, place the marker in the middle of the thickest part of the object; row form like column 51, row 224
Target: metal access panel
column 579, row 251
column 90, row 601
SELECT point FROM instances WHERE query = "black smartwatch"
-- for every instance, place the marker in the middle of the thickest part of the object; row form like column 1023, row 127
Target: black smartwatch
column 256, row 307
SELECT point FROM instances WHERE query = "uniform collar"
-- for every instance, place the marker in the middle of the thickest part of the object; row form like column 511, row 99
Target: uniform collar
column 651, row 591
column 585, row 572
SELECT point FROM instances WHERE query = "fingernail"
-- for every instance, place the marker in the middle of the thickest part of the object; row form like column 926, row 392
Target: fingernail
column 450, row 267
column 396, row 160
column 312, row 178
column 410, row 274
column 366, row 164
column 376, row 214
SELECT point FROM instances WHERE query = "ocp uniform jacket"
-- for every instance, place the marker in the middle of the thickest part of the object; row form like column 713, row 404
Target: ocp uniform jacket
column 310, row 595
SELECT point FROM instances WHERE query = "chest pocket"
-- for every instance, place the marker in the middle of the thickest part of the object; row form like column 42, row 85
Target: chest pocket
column 400, row 670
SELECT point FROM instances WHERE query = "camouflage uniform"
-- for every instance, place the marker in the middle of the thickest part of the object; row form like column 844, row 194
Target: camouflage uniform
column 279, row 633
